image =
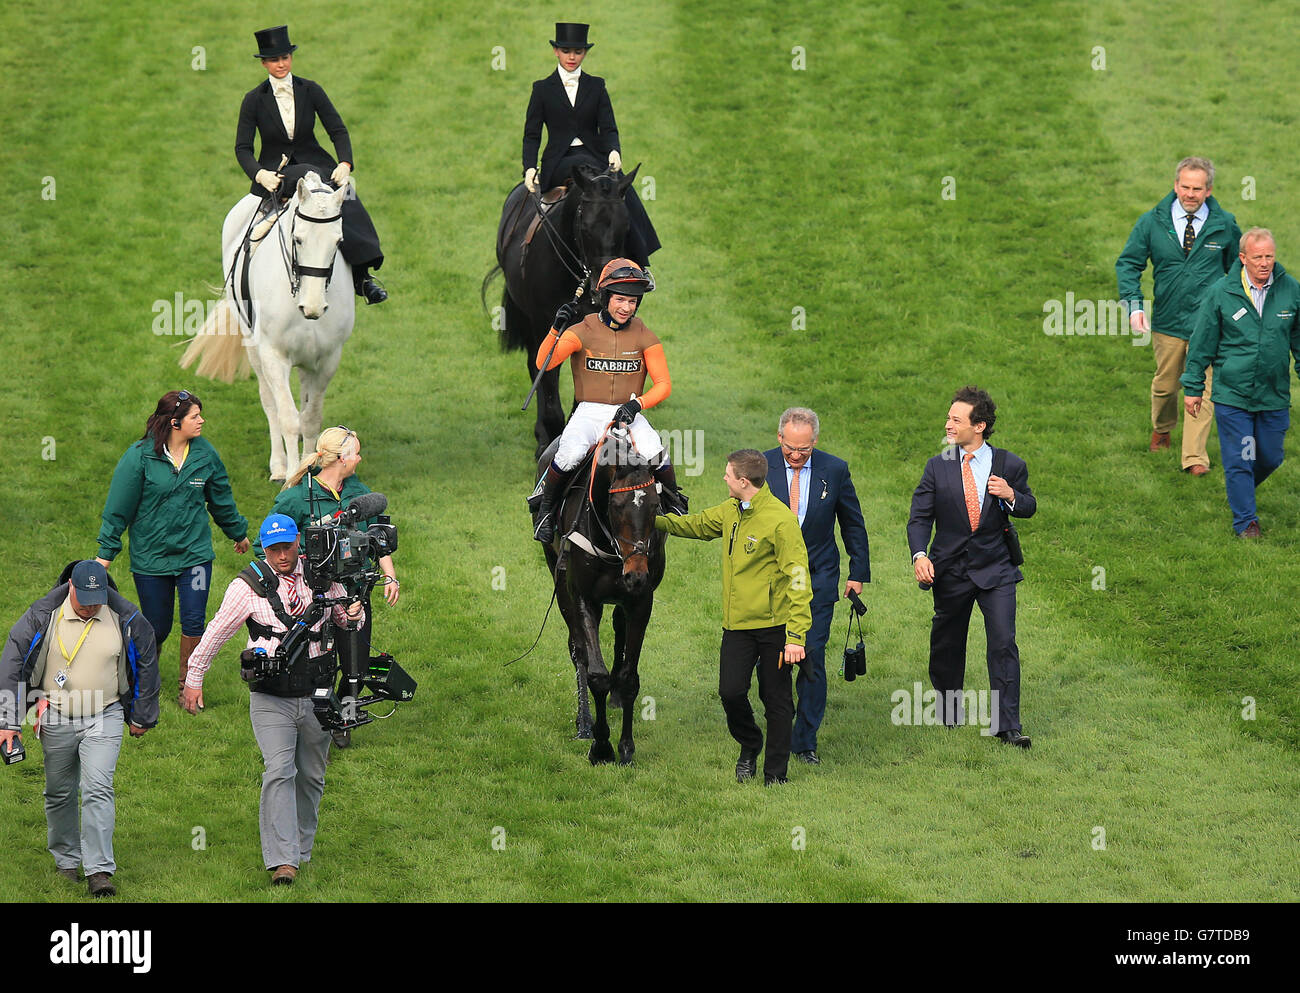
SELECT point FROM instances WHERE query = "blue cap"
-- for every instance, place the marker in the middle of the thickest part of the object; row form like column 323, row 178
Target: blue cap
column 278, row 529
column 90, row 580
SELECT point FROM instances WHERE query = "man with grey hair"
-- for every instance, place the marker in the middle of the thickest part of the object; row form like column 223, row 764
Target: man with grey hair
column 818, row 488
column 1248, row 327
column 1191, row 242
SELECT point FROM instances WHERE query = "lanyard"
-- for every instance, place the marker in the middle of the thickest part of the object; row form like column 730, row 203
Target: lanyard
column 62, row 648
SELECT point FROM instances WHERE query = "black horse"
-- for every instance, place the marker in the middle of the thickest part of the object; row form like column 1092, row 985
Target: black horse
column 553, row 259
column 622, row 563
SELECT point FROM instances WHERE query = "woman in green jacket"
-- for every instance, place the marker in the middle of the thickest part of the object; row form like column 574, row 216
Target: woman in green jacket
column 325, row 483
column 162, row 493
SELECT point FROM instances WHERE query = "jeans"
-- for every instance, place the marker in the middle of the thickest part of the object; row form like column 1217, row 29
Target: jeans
column 1250, row 445
column 158, row 595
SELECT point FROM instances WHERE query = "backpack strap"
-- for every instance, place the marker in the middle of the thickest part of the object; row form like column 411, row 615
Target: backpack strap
column 264, row 582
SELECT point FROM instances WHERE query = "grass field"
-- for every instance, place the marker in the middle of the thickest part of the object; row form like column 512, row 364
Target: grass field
column 929, row 180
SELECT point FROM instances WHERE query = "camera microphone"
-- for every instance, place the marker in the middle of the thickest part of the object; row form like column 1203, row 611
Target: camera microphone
column 364, row 507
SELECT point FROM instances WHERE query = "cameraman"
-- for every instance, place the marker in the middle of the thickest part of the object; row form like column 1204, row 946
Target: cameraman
column 293, row 743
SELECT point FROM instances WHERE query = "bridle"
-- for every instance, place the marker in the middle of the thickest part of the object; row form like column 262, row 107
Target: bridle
column 563, row 252
column 641, row 547
column 289, row 253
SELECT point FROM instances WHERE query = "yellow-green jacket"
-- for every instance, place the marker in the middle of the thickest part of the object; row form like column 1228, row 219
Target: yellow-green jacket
column 765, row 576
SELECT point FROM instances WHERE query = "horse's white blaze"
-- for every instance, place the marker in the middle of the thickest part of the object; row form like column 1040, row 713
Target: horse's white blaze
column 637, row 497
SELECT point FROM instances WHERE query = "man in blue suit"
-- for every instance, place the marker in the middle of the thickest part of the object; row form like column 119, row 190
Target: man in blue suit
column 817, row 487
column 966, row 496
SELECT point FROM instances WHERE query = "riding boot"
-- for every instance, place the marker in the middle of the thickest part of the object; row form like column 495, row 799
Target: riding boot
column 553, row 485
column 188, row 645
column 671, row 499
column 367, row 287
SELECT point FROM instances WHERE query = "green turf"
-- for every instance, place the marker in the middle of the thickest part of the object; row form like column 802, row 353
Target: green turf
column 775, row 189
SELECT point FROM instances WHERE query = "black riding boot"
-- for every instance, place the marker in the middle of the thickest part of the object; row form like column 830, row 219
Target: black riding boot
column 553, row 485
column 367, row 287
column 671, row 499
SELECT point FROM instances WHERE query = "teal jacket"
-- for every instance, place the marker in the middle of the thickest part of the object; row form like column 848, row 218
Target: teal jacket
column 305, row 505
column 1251, row 355
column 765, row 575
column 165, row 511
column 1180, row 280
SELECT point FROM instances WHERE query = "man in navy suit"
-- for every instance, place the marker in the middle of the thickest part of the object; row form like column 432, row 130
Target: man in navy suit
column 967, row 504
column 817, row 487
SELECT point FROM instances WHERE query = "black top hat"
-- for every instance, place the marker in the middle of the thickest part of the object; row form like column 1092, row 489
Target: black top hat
column 570, row 35
column 273, row 42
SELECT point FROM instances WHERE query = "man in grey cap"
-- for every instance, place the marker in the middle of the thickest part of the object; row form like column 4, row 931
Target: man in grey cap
column 86, row 658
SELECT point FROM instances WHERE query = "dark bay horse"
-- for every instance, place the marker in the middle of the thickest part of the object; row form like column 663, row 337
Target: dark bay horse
column 565, row 253
column 622, row 564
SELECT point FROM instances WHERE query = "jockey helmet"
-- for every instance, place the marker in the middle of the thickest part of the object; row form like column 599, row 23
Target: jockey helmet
column 625, row 277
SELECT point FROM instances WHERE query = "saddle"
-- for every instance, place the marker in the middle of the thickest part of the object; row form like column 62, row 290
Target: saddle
column 520, row 220
column 576, row 489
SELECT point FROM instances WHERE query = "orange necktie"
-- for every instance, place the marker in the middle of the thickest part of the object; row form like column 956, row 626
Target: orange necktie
column 794, row 490
column 972, row 492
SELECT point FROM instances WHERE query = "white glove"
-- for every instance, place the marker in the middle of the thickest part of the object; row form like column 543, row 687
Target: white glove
column 615, row 161
column 530, row 180
column 340, row 174
column 268, row 180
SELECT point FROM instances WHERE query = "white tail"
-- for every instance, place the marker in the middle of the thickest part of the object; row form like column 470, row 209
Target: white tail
column 219, row 347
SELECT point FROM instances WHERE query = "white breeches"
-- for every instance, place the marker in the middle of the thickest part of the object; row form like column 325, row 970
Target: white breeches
column 584, row 430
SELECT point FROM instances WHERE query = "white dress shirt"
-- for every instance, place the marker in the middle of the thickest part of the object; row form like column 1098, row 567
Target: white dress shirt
column 283, row 90
column 570, row 81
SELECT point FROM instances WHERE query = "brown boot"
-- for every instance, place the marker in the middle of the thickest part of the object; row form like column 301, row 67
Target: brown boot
column 188, row 645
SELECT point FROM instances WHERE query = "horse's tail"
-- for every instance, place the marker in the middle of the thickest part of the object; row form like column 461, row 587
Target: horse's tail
column 219, row 346
column 482, row 293
column 514, row 331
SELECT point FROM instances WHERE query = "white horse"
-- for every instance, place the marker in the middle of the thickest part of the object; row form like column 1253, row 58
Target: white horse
column 293, row 310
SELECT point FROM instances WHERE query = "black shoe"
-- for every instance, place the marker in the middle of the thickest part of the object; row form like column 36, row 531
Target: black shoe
column 673, row 501
column 747, row 764
column 809, row 757
column 545, row 531
column 1016, row 737
column 775, row 781
column 68, row 873
column 372, row 291
column 101, row 884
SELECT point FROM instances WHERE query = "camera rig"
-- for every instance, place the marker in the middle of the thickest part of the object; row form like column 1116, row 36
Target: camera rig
column 334, row 550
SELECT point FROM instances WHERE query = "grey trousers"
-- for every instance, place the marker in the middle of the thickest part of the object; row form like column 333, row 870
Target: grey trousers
column 294, row 748
column 81, row 754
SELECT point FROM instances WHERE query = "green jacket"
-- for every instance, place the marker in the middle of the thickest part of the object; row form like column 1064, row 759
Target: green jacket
column 1249, row 353
column 167, row 511
column 765, row 576
column 305, row 507
column 1180, row 280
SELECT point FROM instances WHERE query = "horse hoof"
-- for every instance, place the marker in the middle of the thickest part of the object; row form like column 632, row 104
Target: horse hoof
column 600, row 753
column 626, row 757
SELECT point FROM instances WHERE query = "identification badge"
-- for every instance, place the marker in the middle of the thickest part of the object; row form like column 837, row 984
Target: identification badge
column 61, row 678
column 1239, row 314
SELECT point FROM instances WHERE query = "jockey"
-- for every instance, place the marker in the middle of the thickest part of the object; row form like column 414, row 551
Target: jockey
column 612, row 351
column 580, row 130
column 283, row 110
